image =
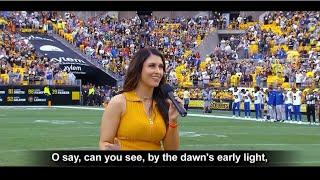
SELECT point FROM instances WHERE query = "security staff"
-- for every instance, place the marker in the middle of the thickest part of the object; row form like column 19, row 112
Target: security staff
column 47, row 92
column 311, row 102
column 90, row 96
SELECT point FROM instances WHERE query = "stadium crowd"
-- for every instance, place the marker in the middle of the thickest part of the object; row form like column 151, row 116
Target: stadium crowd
column 280, row 51
column 20, row 64
column 112, row 42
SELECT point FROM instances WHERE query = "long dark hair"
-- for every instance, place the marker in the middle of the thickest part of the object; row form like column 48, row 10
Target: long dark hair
column 133, row 76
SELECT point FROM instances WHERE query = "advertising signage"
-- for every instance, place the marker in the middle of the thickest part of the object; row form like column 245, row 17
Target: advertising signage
column 34, row 95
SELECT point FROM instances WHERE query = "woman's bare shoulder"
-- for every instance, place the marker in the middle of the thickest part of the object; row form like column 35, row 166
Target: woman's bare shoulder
column 118, row 100
column 118, row 104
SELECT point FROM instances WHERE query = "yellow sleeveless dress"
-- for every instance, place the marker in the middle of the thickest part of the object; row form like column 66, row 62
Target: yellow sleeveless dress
column 138, row 132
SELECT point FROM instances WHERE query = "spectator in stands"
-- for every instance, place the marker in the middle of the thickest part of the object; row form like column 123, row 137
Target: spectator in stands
column 17, row 77
column 48, row 76
column 11, row 77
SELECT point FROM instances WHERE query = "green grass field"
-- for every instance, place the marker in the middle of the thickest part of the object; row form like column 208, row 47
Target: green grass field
column 25, row 129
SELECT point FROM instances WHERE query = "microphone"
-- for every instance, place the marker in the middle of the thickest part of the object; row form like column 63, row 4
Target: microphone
column 168, row 91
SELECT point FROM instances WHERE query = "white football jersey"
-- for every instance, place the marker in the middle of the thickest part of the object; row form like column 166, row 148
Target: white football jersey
column 258, row 99
column 246, row 97
column 236, row 96
column 296, row 98
column 263, row 97
column 288, row 97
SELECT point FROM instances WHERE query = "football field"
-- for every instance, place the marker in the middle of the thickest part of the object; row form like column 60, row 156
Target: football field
column 76, row 128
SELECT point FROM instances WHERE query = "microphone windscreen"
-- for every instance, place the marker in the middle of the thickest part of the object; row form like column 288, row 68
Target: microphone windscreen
column 166, row 88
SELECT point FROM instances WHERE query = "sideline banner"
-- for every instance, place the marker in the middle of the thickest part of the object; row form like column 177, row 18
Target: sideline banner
column 34, row 95
column 224, row 105
column 214, row 105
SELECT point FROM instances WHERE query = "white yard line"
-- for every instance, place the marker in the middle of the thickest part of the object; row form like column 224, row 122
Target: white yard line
column 47, row 149
column 68, row 136
column 79, row 107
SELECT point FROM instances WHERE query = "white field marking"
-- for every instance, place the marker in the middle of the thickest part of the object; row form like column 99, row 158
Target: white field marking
column 88, row 122
column 55, row 121
column 62, row 127
column 35, row 108
column 189, row 134
column 22, row 107
column 217, row 135
column 26, row 107
column 67, row 136
column 78, row 107
column 61, row 148
column 194, row 134
column 60, row 121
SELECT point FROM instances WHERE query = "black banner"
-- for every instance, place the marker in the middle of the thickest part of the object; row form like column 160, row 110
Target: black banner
column 34, row 95
column 161, row 158
column 59, row 53
column 68, row 59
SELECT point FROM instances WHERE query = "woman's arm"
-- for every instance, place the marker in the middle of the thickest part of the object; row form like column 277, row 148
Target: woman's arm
column 172, row 139
column 110, row 122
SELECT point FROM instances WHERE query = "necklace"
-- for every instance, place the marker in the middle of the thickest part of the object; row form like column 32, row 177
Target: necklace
column 149, row 114
column 145, row 100
column 144, row 97
column 151, row 119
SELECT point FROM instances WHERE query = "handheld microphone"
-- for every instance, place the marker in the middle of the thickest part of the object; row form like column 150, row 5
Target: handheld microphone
column 168, row 91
